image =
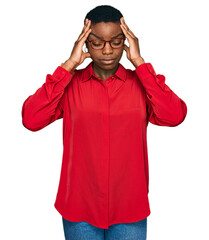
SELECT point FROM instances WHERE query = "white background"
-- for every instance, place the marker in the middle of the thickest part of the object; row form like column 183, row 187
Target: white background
column 36, row 37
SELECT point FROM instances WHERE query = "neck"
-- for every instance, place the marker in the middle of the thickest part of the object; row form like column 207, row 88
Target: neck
column 102, row 73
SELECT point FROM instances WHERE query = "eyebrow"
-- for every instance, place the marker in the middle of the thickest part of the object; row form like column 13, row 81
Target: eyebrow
column 102, row 38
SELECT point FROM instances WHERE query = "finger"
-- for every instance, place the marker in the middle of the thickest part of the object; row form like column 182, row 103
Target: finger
column 130, row 33
column 127, row 34
column 85, row 35
column 85, row 29
column 84, row 56
column 125, row 47
column 123, row 22
column 87, row 55
column 87, row 24
column 127, row 28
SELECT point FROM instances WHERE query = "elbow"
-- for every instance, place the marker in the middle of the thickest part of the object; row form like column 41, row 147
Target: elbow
column 30, row 126
column 178, row 121
column 35, row 123
column 180, row 117
column 28, row 121
column 172, row 117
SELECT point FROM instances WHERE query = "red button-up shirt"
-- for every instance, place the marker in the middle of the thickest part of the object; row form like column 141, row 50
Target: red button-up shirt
column 104, row 176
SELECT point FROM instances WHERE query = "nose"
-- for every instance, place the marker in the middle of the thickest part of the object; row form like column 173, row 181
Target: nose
column 107, row 48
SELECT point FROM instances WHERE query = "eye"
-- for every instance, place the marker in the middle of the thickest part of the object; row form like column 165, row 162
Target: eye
column 96, row 44
column 117, row 42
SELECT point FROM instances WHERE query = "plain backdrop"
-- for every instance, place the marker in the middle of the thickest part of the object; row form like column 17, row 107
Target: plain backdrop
column 36, row 37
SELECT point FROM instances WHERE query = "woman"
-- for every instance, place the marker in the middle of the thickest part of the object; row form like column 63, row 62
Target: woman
column 104, row 181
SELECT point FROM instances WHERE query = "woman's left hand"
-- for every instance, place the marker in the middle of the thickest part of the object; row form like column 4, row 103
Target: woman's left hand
column 133, row 51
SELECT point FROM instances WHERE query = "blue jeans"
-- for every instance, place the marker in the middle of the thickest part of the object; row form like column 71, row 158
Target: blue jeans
column 122, row 231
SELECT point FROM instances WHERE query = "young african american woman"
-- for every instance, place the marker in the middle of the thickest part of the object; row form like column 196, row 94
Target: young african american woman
column 106, row 108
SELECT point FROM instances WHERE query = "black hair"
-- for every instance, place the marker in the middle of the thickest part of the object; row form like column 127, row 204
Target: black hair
column 104, row 13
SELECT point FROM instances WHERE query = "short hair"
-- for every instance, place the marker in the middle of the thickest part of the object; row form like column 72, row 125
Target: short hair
column 104, row 13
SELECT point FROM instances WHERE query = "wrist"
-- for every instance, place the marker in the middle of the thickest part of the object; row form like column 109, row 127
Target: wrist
column 138, row 61
column 69, row 66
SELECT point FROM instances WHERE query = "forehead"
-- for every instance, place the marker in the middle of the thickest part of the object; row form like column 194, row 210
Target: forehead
column 106, row 29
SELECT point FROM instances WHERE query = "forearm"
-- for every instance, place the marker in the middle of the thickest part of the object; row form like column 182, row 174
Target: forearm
column 45, row 105
column 69, row 66
column 165, row 107
column 138, row 62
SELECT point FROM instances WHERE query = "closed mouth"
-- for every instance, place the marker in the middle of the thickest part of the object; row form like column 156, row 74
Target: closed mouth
column 107, row 59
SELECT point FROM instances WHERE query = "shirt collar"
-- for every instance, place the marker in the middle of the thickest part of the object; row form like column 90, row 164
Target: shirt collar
column 89, row 72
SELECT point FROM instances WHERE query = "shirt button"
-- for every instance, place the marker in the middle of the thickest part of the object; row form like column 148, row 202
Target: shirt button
column 112, row 77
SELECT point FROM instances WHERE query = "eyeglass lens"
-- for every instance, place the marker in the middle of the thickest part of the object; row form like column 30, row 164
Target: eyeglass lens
column 115, row 43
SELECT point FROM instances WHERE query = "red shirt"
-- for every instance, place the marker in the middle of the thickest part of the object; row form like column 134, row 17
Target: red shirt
column 104, row 176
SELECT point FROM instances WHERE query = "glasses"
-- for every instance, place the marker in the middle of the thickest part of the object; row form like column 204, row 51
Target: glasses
column 100, row 44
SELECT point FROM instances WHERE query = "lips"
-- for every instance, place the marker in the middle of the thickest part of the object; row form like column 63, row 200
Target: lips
column 107, row 60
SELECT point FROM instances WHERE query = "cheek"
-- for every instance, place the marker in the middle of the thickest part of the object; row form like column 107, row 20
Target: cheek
column 94, row 54
column 120, row 52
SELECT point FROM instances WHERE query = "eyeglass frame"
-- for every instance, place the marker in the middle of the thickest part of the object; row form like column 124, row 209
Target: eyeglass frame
column 124, row 38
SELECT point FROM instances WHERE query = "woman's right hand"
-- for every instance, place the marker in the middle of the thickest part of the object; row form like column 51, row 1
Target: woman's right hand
column 77, row 55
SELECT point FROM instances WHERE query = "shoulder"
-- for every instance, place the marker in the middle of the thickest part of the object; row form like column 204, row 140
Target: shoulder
column 127, row 72
column 82, row 73
column 130, row 73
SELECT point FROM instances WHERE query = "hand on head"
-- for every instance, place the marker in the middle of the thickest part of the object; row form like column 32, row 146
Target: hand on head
column 77, row 55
